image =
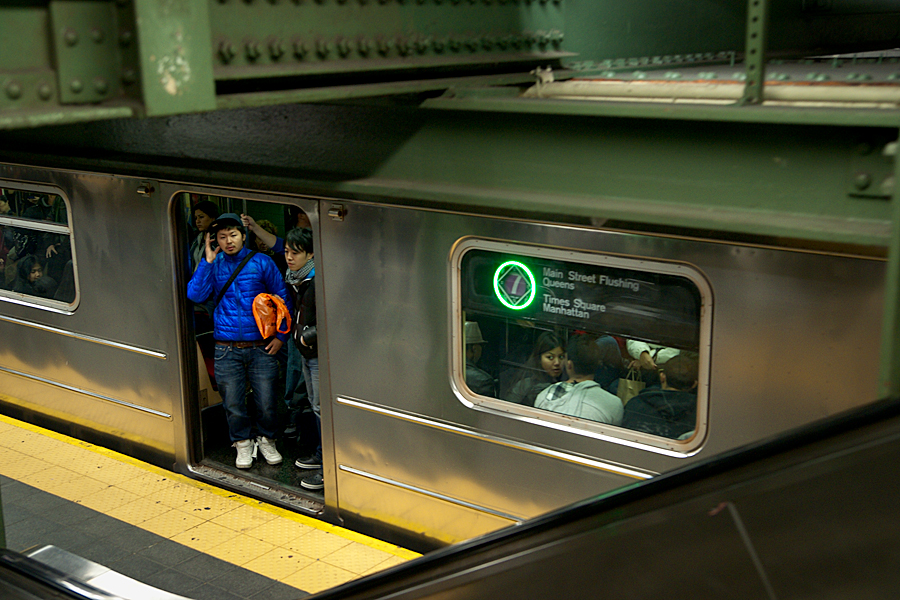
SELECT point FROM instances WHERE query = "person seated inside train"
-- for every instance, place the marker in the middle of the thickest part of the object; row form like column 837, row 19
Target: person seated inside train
column 300, row 281
column 30, row 278
column 233, row 276
column 205, row 213
column 544, row 367
column 478, row 380
column 671, row 410
column 581, row 396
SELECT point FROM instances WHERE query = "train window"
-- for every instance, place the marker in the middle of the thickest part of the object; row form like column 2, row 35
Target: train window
column 602, row 345
column 36, row 248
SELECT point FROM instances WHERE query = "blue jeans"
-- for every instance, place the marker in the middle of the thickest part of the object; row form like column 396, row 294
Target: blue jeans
column 311, row 375
column 234, row 366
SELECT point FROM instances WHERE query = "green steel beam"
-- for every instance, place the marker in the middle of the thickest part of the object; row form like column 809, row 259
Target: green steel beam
column 755, row 51
column 482, row 100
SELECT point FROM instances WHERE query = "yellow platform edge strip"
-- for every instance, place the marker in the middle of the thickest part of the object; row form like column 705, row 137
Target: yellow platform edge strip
column 275, row 510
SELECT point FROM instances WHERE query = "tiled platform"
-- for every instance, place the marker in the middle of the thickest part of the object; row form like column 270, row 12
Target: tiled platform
column 166, row 530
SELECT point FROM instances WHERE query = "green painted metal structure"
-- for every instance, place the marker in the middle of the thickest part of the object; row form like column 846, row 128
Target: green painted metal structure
column 425, row 106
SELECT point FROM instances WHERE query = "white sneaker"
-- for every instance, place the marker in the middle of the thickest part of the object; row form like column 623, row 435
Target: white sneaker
column 269, row 452
column 246, row 449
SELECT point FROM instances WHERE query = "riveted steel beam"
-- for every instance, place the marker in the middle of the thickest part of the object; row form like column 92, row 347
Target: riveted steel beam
column 174, row 58
column 755, row 53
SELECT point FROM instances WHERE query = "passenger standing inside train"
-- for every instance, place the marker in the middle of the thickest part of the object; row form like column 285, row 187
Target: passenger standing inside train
column 296, row 395
column 300, row 280
column 234, row 275
column 205, row 213
column 580, row 395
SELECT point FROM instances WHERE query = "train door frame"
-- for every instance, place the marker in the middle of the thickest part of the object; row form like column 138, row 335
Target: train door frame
column 190, row 453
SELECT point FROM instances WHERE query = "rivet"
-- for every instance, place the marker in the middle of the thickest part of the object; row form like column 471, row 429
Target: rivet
column 438, row 45
column 276, row 48
column 70, row 36
column 343, row 47
column 487, row 42
column 76, row 86
column 384, row 45
column 125, row 38
column 422, row 44
column 101, row 85
column 323, row 47
column 129, row 76
column 45, row 92
column 502, row 42
column 403, row 45
column 97, row 34
column 226, row 51
column 454, row 44
column 13, row 90
column 472, row 44
column 251, row 48
column 862, row 181
column 363, row 46
column 300, row 49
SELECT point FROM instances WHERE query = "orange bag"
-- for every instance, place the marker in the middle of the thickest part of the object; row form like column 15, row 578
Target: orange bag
column 269, row 311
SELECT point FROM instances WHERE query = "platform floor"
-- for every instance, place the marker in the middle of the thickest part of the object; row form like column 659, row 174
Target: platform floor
column 167, row 530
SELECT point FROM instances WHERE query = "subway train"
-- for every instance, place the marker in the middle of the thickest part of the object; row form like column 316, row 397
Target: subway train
column 752, row 235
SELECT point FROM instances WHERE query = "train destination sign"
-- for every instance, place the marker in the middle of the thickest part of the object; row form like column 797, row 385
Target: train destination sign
column 604, row 299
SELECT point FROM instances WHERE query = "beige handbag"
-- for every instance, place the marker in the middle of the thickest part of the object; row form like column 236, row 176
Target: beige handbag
column 630, row 386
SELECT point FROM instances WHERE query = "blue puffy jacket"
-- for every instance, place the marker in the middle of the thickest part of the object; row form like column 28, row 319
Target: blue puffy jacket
column 233, row 319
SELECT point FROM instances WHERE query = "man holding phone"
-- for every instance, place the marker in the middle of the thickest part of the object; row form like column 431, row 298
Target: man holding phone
column 234, row 275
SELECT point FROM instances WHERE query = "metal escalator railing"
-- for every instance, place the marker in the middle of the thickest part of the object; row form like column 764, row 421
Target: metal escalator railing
column 809, row 514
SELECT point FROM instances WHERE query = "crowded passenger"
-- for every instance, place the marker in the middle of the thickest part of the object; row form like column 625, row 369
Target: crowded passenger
column 671, row 410
column 233, row 275
column 205, row 213
column 296, row 395
column 30, row 278
column 612, row 365
column 647, row 358
column 543, row 368
column 581, row 396
column 300, row 280
column 478, row 380
column 260, row 244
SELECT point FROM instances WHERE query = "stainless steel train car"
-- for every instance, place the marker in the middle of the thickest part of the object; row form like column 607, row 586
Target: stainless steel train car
column 478, row 184
column 783, row 337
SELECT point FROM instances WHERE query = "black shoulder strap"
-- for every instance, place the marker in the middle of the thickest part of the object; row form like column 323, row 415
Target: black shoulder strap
column 233, row 275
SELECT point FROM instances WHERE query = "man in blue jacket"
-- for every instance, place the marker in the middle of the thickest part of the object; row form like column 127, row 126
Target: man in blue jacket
column 241, row 353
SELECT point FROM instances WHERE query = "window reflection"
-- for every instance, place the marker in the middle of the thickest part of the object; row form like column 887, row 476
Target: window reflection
column 35, row 261
column 597, row 342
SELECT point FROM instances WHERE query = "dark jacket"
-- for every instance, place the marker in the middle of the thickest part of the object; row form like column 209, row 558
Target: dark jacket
column 303, row 297
column 666, row 413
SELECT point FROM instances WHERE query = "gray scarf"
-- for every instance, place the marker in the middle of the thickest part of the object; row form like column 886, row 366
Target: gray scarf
column 294, row 278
